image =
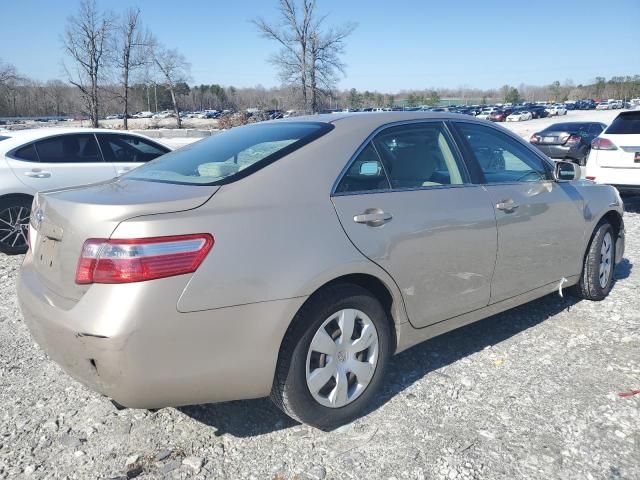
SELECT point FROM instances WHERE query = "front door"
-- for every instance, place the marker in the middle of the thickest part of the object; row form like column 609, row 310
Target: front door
column 540, row 221
column 406, row 203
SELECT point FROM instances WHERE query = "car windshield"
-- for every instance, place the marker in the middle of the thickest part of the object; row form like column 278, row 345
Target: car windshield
column 625, row 123
column 235, row 153
column 3, row 137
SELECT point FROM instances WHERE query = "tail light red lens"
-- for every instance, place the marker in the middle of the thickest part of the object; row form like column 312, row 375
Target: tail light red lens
column 599, row 143
column 534, row 139
column 141, row 259
column 573, row 140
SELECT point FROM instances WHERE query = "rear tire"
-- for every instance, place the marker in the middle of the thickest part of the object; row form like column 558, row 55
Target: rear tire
column 596, row 279
column 14, row 224
column 304, row 387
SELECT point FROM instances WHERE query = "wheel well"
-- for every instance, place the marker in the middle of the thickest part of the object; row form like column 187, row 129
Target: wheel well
column 376, row 287
column 615, row 219
column 16, row 195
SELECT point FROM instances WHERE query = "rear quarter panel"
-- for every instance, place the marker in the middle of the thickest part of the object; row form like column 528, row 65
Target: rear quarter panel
column 598, row 201
column 277, row 235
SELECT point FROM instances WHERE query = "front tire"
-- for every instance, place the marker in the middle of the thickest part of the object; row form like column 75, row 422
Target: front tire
column 596, row 279
column 333, row 358
column 14, row 225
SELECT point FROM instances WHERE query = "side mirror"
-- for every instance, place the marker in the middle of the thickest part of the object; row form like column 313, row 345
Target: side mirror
column 370, row 169
column 567, row 171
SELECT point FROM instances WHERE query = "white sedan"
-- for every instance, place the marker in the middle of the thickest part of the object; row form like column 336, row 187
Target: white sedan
column 557, row 110
column 519, row 116
column 52, row 158
column 484, row 114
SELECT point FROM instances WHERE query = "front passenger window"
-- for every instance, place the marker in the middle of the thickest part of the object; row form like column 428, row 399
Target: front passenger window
column 501, row 158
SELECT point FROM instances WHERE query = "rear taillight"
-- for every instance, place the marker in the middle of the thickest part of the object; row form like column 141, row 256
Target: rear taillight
column 140, row 259
column 534, row 139
column 600, row 143
column 573, row 140
column 590, row 178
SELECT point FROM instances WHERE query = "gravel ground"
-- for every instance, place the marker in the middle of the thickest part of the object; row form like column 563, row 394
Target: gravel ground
column 532, row 393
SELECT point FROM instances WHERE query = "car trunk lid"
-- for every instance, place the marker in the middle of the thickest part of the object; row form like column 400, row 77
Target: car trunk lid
column 64, row 219
column 555, row 137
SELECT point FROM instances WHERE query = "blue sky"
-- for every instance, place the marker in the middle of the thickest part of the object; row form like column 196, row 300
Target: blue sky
column 400, row 44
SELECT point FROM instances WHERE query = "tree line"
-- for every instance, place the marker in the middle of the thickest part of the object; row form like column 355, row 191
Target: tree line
column 114, row 64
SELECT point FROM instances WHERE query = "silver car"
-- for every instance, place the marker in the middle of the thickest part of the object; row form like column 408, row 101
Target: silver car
column 292, row 258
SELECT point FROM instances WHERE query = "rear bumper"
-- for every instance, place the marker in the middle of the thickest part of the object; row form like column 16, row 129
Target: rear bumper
column 561, row 152
column 132, row 345
column 626, row 180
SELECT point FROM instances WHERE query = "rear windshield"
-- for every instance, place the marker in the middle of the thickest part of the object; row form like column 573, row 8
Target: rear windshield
column 230, row 155
column 568, row 127
column 628, row 122
column 2, row 137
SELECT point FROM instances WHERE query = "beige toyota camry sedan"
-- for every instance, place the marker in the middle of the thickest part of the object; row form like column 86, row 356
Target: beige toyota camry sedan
column 292, row 258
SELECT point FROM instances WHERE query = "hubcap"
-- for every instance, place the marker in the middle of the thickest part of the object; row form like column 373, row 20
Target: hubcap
column 606, row 252
column 14, row 222
column 342, row 358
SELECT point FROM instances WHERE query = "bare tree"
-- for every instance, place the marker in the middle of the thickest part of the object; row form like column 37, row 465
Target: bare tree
column 130, row 50
column 293, row 35
column 324, row 63
column 86, row 40
column 8, row 74
column 8, row 79
column 309, row 56
column 174, row 70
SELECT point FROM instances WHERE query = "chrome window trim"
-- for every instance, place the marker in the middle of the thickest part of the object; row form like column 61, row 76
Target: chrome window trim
column 407, row 189
column 460, row 161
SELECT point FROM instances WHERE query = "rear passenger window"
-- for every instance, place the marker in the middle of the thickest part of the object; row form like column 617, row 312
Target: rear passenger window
column 129, row 148
column 502, row 158
column 81, row 148
column 418, row 155
column 27, row 153
column 365, row 173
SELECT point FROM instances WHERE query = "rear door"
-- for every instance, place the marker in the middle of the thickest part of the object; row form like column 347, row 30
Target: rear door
column 540, row 221
column 624, row 132
column 60, row 161
column 406, row 202
column 126, row 152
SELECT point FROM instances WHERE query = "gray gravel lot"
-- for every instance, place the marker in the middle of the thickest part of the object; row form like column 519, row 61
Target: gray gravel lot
column 531, row 393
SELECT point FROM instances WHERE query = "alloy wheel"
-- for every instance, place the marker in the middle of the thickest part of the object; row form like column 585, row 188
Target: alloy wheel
column 14, row 223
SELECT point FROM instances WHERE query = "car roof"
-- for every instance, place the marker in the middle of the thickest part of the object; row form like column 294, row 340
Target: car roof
column 346, row 120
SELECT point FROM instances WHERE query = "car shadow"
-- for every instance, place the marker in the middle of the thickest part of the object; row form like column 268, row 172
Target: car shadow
column 256, row 417
column 631, row 203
